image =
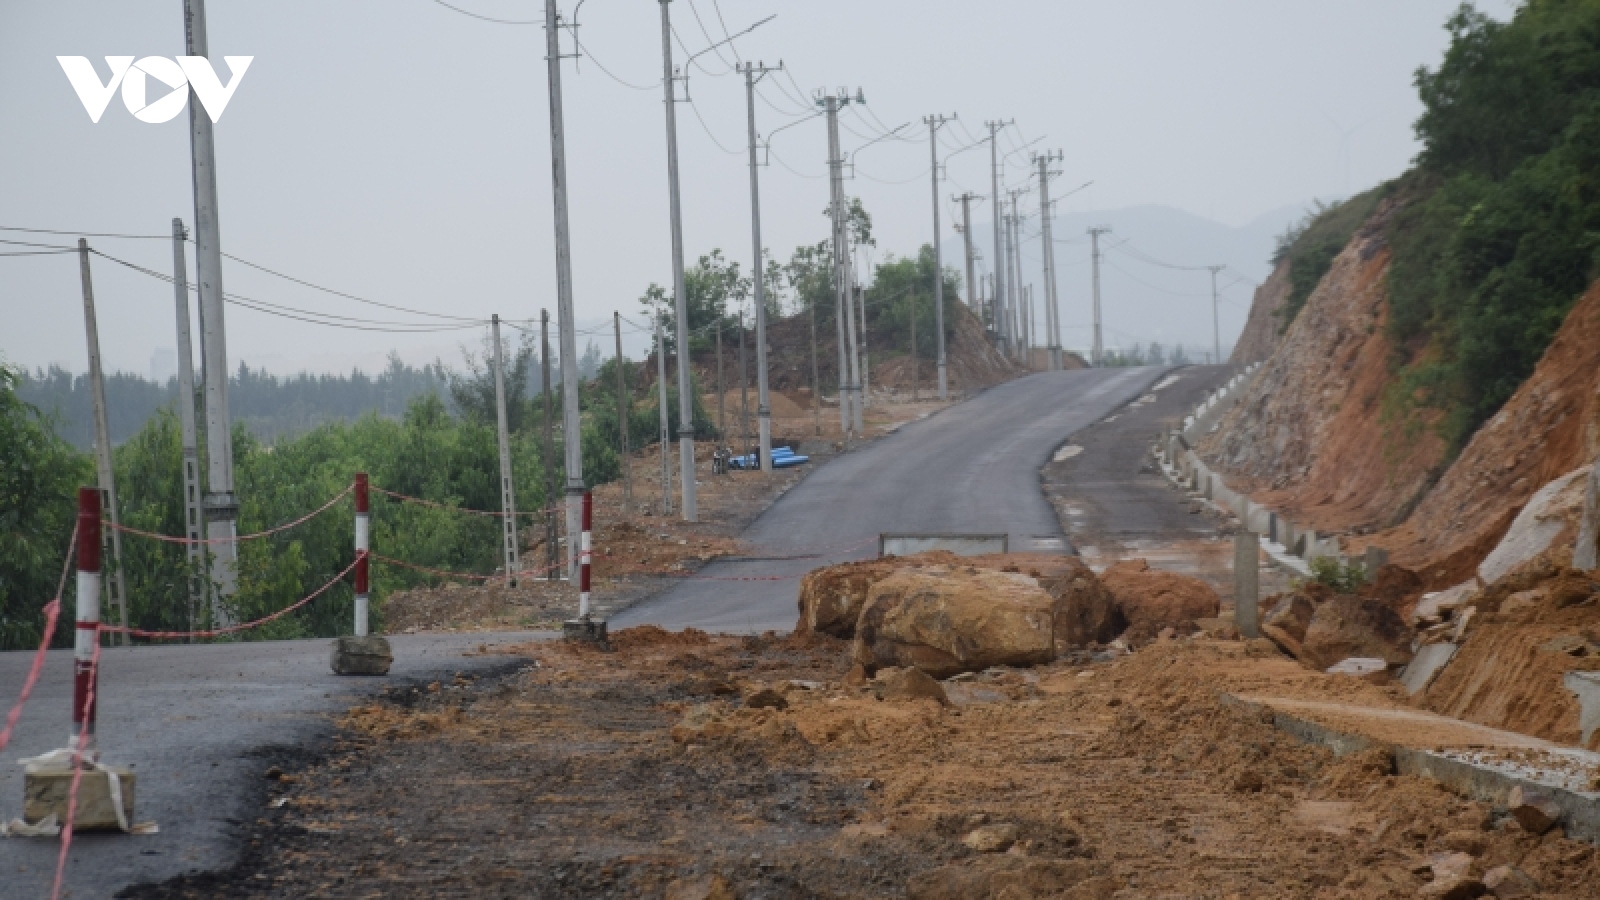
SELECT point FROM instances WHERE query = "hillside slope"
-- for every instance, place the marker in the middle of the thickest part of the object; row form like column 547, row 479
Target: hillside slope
column 1263, row 330
column 1308, row 436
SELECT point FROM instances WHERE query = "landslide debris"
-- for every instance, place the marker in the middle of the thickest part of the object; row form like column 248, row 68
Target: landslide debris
column 593, row 774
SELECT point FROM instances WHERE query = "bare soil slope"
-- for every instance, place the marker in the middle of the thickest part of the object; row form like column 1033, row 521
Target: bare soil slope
column 1263, row 330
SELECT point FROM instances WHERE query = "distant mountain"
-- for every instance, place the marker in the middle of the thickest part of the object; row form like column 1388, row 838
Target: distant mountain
column 1143, row 298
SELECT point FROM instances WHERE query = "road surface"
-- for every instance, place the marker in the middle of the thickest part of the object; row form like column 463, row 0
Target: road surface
column 973, row 468
column 198, row 724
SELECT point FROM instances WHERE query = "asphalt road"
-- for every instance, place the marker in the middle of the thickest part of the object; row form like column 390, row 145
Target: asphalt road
column 198, row 724
column 973, row 467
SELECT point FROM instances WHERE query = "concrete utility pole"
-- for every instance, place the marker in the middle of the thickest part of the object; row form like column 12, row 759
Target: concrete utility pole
column 752, row 74
column 193, row 516
column 508, row 497
column 744, row 392
column 222, row 508
column 999, row 296
column 722, row 405
column 913, row 347
column 666, row 431
column 571, row 426
column 1013, row 278
column 102, row 443
column 623, row 408
column 1052, row 309
column 680, row 295
column 850, row 419
column 1098, row 347
column 552, row 535
column 859, row 298
column 1216, row 330
column 966, row 237
column 816, row 382
column 938, row 260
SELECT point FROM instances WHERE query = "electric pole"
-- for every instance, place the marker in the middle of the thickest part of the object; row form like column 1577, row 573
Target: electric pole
column 221, row 507
column 753, row 74
column 722, row 394
column 1216, row 332
column 669, row 81
column 938, row 261
column 193, row 516
column 116, row 591
column 1098, row 347
column 666, row 431
column 508, row 500
column 966, row 235
column 571, row 426
column 1052, row 309
column 552, row 536
column 850, row 417
column 623, row 408
column 1014, row 273
column 744, row 392
column 999, row 297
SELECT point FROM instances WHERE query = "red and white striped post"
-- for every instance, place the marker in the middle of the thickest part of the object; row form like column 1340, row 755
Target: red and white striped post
column 584, row 553
column 84, row 676
column 363, row 539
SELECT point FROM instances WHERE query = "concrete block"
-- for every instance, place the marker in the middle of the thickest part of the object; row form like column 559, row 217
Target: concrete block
column 1374, row 559
column 590, row 630
column 45, row 790
column 1272, row 528
column 367, row 655
column 1587, row 686
column 1428, row 662
column 1247, row 584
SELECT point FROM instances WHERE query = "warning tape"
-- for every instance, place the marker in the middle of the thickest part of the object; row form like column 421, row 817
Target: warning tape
column 246, row 626
column 52, row 613
column 445, row 573
column 240, row 538
column 77, row 769
column 462, row 509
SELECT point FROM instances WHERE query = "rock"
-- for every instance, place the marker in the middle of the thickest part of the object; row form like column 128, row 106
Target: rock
column 1395, row 587
column 1248, row 782
column 703, row 722
column 1040, row 878
column 1535, row 810
column 1218, row 629
column 1100, row 887
column 701, row 887
column 765, row 698
column 1261, row 648
column 1449, row 865
column 1470, row 842
column 1086, row 612
column 831, row 598
column 1354, row 626
column 1151, row 600
column 1554, row 510
column 991, row 838
column 1508, row 882
column 1462, row 887
column 1286, row 622
column 946, row 620
column 1441, row 605
column 1361, row 667
column 908, row 684
column 367, row 655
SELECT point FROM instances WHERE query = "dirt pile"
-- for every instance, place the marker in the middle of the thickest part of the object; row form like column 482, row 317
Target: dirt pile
column 1263, row 329
column 1521, row 635
column 1152, row 600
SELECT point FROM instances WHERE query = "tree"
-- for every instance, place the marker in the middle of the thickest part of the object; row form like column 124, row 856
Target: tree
column 902, row 289
column 473, row 392
column 709, row 285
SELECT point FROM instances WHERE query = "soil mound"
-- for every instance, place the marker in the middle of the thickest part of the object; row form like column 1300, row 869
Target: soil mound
column 1151, row 600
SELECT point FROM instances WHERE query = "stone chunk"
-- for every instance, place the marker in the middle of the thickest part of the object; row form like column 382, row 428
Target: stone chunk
column 591, row 631
column 45, row 789
column 1508, row 882
column 946, row 620
column 1086, row 612
column 1286, row 622
column 1355, row 626
column 991, row 838
column 368, row 655
column 908, row 684
column 831, row 598
column 765, row 698
column 1535, row 810
column 1461, row 887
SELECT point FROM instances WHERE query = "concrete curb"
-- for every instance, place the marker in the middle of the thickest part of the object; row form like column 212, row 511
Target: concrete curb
column 1482, row 781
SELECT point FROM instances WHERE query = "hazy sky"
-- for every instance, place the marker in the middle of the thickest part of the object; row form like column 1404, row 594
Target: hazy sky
column 399, row 151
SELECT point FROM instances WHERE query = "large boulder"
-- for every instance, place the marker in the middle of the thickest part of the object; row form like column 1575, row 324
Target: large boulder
column 946, row 620
column 1085, row 610
column 1551, row 517
column 1347, row 626
column 1152, row 600
column 831, row 598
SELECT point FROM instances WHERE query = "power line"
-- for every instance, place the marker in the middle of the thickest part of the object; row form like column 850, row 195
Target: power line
column 789, row 167
column 466, row 12
column 707, row 129
column 164, row 237
column 608, row 73
column 318, row 287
